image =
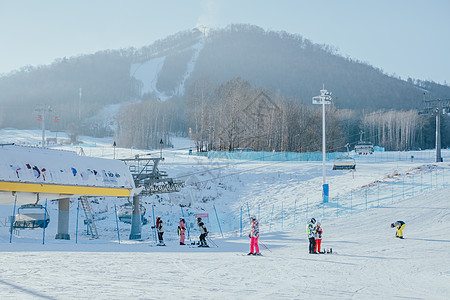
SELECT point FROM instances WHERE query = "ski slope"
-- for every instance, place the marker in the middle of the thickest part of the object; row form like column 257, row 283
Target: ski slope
column 367, row 262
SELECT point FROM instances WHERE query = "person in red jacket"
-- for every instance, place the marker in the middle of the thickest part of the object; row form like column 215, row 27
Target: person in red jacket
column 181, row 231
column 254, row 235
column 318, row 237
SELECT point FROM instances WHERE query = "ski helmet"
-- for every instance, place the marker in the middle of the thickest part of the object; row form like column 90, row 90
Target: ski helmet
column 313, row 221
column 392, row 225
column 199, row 219
column 181, row 219
column 253, row 218
column 318, row 224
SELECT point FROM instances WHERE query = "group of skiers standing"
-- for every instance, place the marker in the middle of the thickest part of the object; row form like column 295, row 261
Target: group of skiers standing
column 181, row 231
column 314, row 232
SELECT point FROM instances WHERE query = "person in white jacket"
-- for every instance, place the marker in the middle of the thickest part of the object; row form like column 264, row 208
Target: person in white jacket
column 160, row 229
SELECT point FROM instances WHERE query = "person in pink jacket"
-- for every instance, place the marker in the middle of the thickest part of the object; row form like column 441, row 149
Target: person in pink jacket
column 254, row 235
column 181, row 231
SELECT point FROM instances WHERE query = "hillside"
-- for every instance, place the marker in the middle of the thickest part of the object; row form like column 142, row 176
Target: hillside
column 277, row 61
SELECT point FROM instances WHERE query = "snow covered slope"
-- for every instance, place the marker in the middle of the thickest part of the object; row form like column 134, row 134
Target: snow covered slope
column 368, row 262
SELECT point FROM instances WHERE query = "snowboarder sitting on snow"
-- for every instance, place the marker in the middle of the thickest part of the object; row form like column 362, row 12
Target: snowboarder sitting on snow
column 310, row 231
column 254, row 235
column 203, row 232
column 160, row 229
column 181, row 230
column 400, row 225
column 318, row 237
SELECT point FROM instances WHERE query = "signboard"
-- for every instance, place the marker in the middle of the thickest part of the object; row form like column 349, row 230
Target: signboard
column 201, row 215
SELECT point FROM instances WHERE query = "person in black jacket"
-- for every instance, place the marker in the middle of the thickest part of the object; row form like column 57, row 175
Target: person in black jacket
column 203, row 232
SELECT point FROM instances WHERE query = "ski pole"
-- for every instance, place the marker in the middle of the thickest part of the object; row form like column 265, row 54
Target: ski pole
column 212, row 242
column 264, row 246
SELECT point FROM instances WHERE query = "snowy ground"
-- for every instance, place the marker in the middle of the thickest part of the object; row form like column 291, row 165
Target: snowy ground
column 367, row 261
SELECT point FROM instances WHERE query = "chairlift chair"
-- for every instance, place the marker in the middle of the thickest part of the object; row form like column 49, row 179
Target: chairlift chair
column 344, row 163
column 31, row 216
column 125, row 212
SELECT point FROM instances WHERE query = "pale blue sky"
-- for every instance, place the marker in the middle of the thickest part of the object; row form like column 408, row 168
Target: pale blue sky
column 408, row 38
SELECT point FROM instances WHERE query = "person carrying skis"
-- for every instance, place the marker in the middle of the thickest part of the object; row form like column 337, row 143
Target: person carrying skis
column 160, row 229
column 400, row 225
column 310, row 232
column 254, row 235
column 181, row 230
column 203, row 232
column 318, row 237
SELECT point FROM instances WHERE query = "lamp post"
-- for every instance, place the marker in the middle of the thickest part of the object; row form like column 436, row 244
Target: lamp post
column 323, row 98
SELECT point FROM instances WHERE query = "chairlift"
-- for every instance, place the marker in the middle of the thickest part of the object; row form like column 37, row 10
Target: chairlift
column 125, row 213
column 344, row 163
column 31, row 216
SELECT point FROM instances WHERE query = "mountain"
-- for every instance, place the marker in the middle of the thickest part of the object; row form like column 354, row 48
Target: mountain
column 284, row 63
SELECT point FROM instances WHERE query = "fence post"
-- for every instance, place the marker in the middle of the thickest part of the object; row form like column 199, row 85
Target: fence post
column 117, row 222
column 218, row 220
column 76, row 228
column 45, row 219
column 241, row 220
column 366, row 197
column 13, row 218
column 154, row 222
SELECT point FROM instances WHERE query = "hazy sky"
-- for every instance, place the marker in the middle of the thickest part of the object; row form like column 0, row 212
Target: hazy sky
column 408, row 38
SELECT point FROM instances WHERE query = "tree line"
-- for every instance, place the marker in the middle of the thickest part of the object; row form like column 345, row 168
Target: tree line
column 236, row 115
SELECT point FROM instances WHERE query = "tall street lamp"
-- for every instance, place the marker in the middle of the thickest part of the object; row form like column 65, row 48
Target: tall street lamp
column 323, row 98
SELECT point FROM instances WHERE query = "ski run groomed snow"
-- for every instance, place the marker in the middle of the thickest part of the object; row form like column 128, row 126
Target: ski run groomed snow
column 367, row 262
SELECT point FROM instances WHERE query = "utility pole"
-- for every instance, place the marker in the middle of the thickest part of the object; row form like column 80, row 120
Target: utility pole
column 436, row 107
column 323, row 98
column 41, row 111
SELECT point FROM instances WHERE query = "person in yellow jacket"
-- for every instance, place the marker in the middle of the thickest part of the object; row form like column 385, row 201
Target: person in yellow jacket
column 400, row 225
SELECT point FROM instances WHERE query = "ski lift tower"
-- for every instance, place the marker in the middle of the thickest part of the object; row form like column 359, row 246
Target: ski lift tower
column 323, row 98
column 436, row 107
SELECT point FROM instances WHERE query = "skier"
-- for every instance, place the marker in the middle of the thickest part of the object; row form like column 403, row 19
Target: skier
column 318, row 237
column 254, row 235
column 203, row 232
column 400, row 225
column 160, row 229
column 310, row 233
column 181, row 230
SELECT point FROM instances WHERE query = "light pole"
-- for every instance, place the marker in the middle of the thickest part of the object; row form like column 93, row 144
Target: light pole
column 323, row 98
column 42, row 110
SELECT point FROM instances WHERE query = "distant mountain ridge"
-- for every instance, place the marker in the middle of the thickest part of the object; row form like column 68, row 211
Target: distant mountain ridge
column 281, row 62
